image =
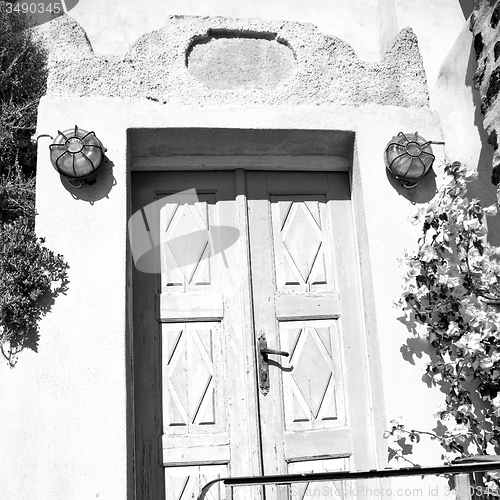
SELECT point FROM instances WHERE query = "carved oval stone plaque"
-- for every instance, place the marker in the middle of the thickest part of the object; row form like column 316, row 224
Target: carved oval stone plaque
column 238, row 62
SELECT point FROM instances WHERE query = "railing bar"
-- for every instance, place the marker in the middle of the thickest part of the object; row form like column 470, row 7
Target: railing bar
column 338, row 475
column 375, row 473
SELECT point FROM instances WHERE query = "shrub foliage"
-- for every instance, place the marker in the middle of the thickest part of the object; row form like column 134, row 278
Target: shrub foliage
column 28, row 270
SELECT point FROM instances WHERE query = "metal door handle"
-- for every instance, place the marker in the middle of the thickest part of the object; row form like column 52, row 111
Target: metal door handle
column 263, row 362
column 265, row 350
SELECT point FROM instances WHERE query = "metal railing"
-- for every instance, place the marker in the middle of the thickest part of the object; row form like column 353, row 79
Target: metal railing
column 461, row 470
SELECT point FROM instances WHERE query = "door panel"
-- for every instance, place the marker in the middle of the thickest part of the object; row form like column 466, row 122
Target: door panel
column 291, row 277
column 300, row 244
column 201, row 404
column 327, row 490
column 186, row 482
column 195, row 423
column 185, row 244
column 307, row 303
column 313, row 394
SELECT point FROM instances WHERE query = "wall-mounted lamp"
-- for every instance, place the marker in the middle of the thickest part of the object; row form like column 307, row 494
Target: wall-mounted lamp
column 409, row 157
column 77, row 155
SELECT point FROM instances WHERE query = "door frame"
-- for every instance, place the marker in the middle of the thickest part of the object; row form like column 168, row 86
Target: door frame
column 279, row 162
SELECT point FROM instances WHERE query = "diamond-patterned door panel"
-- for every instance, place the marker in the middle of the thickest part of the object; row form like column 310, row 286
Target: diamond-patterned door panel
column 192, row 371
column 186, row 245
column 328, row 490
column 313, row 385
column 301, row 247
column 185, row 483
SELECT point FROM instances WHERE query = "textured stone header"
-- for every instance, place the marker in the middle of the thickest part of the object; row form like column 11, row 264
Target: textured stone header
column 209, row 60
column 228, row 60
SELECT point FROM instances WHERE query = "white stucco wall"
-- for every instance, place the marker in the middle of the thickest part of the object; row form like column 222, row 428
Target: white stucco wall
column 368, row 26
column 64, row 416
column 437, row 24
column 454, row 100
column 113, row 26
column 458, row 104
column 66, row 422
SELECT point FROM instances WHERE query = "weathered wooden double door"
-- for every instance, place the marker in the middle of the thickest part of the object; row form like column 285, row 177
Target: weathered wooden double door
column 261, row 259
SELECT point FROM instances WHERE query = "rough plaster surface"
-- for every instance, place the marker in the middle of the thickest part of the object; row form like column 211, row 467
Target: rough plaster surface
column 327, row 69
column 484, row 24
column 224, row 63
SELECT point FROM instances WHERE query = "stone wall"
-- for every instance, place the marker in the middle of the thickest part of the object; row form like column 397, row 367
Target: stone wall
column 485, row 26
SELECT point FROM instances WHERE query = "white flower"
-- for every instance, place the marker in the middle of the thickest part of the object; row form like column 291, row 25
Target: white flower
column 427, row 253
column 441, row 412
column 469, row 174
column 486, row 363
column 447, row 359
column 460, row 430
column 452, row 281
column 421, row 330
column 496, row 401
column 471, row 223
column 422, row 292
column 491, row 210
column 449, row 180
column 449, row 456
column 430, row 212
column 470, row 342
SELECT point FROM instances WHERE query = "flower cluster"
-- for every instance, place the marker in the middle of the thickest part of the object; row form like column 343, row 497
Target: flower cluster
column 452, row 291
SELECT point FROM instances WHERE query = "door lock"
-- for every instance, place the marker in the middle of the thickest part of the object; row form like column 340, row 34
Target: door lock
column 263, row 361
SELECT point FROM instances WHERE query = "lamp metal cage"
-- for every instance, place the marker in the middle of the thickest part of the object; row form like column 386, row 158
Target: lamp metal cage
column 77, row 155
column 409, row 157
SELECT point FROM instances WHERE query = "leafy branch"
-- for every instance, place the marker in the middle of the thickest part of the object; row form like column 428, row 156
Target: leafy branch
column 451, row 285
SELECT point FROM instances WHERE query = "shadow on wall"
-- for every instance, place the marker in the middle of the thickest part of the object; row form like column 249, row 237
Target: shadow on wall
column 418, row 347
column 423, row 192
column 482, row 189
column 104, row 182
column 467, row 7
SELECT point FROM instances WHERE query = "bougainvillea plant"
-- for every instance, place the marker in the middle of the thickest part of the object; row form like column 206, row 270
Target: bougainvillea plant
column 451, row 291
